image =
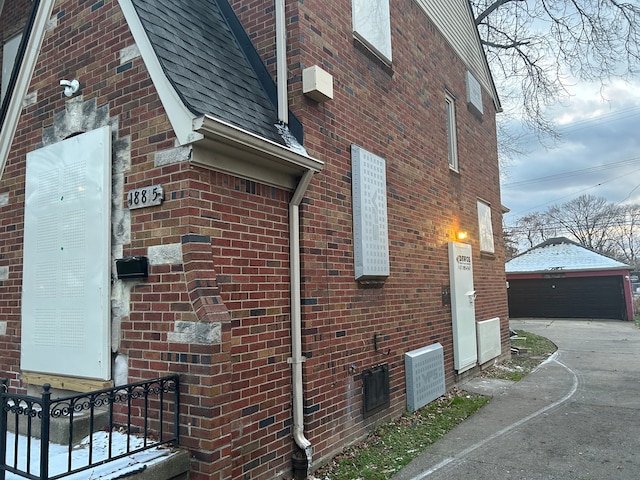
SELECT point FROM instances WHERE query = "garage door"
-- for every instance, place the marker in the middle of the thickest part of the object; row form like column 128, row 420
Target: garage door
column 591, row 297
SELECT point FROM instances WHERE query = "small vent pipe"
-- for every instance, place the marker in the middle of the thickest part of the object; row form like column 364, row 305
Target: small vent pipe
column 281, row 62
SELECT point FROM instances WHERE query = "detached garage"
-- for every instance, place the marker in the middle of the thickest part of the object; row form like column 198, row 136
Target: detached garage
column 562, row 279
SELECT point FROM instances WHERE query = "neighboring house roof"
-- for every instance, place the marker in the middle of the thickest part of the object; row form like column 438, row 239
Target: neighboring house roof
column 561, row 254
column 212, row 66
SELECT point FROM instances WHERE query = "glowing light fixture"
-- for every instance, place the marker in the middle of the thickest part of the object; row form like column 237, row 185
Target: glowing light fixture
column 462, row 235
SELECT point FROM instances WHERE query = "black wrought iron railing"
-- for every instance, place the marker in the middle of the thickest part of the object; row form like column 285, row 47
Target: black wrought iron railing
column 128, row 419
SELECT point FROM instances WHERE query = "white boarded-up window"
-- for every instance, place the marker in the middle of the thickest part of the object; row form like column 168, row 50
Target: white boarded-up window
column 370, row 231
column 485, row 226
column 372, row 25
column 474, row 93
column 66, row 279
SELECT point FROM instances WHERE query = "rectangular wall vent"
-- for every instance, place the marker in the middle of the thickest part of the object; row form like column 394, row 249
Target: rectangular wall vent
column 375, row 386
column 488, row 340
column 424, row 369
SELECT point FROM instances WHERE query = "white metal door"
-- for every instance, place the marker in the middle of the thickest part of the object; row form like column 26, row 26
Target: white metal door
column 463, row 295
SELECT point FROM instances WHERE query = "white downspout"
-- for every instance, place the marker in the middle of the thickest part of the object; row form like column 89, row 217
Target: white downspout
column 297, row 359
column 281, row 62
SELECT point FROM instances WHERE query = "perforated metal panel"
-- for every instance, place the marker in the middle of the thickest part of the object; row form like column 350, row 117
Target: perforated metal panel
column 67, row 258
column 424, row 370
column 370, row 229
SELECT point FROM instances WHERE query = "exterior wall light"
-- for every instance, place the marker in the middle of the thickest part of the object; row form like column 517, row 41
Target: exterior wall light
column 70, row 86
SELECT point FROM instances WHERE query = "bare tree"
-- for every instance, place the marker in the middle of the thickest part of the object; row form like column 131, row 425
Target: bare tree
column 510, row 243
column 533, row 229
column 626, row 236
column 532, row 45
column 590, row 220
column 593, row 222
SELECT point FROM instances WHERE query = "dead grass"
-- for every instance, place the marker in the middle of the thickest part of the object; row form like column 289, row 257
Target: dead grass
column 530, row 350
column 393, row 445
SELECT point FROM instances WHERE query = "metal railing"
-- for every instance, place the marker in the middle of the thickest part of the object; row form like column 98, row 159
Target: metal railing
column 144, row 414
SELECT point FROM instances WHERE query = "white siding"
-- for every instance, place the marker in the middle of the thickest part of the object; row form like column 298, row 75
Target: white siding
column 455, row 21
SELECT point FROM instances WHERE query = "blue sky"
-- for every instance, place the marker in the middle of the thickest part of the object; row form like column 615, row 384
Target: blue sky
column 598, row 154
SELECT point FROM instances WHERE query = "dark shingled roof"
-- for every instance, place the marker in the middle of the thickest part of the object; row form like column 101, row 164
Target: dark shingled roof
column 213, row 66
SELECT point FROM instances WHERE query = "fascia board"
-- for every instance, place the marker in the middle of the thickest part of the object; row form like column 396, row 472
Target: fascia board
column 236, row 151
column 179, row 115
column 23, row 79
column 602, row 271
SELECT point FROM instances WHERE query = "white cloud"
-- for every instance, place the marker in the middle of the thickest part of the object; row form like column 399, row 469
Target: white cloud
column 598, row 155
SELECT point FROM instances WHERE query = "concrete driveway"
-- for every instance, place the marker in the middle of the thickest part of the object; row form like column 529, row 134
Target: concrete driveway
column 575, row 417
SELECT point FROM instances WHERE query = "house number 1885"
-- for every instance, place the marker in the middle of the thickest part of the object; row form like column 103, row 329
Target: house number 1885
column 145, row 197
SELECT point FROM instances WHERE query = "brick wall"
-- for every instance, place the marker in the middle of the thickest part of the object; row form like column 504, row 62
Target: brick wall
column 233, row 234
column 398, row 113
column 12, row 21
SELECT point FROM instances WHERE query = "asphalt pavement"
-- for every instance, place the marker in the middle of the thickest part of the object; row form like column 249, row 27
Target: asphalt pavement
column 576, row 417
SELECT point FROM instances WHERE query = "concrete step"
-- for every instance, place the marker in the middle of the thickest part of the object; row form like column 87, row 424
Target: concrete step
column 174, row 467
column 60, row 426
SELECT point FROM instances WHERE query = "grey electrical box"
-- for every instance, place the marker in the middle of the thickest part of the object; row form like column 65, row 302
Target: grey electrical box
column 424, row 370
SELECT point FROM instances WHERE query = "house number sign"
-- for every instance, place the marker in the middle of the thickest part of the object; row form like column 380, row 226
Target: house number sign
column 145, row 197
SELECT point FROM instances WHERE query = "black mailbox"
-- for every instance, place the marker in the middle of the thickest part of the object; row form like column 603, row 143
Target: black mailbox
column 132, row 267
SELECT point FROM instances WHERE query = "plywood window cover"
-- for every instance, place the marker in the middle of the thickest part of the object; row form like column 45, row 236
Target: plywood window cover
column 67, row 258
column 372, row 26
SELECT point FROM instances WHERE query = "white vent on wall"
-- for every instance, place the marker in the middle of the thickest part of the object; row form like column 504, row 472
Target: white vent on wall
column 488, row 332
column 424, row 370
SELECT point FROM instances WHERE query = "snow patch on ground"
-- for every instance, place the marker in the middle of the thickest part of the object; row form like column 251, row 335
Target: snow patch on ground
column 59, row 456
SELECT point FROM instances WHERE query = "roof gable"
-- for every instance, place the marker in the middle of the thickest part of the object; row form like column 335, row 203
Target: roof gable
column 561, row 254
column 217, row 93
column 455, row 21
column 198, row 47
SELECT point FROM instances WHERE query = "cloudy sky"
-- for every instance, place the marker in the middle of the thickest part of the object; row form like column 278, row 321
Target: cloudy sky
column 599, row 153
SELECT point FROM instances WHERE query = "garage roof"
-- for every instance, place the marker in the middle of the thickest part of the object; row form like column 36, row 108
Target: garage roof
column 561, row 254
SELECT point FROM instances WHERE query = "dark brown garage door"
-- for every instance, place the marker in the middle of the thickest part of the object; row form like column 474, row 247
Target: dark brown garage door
column 590, row 297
